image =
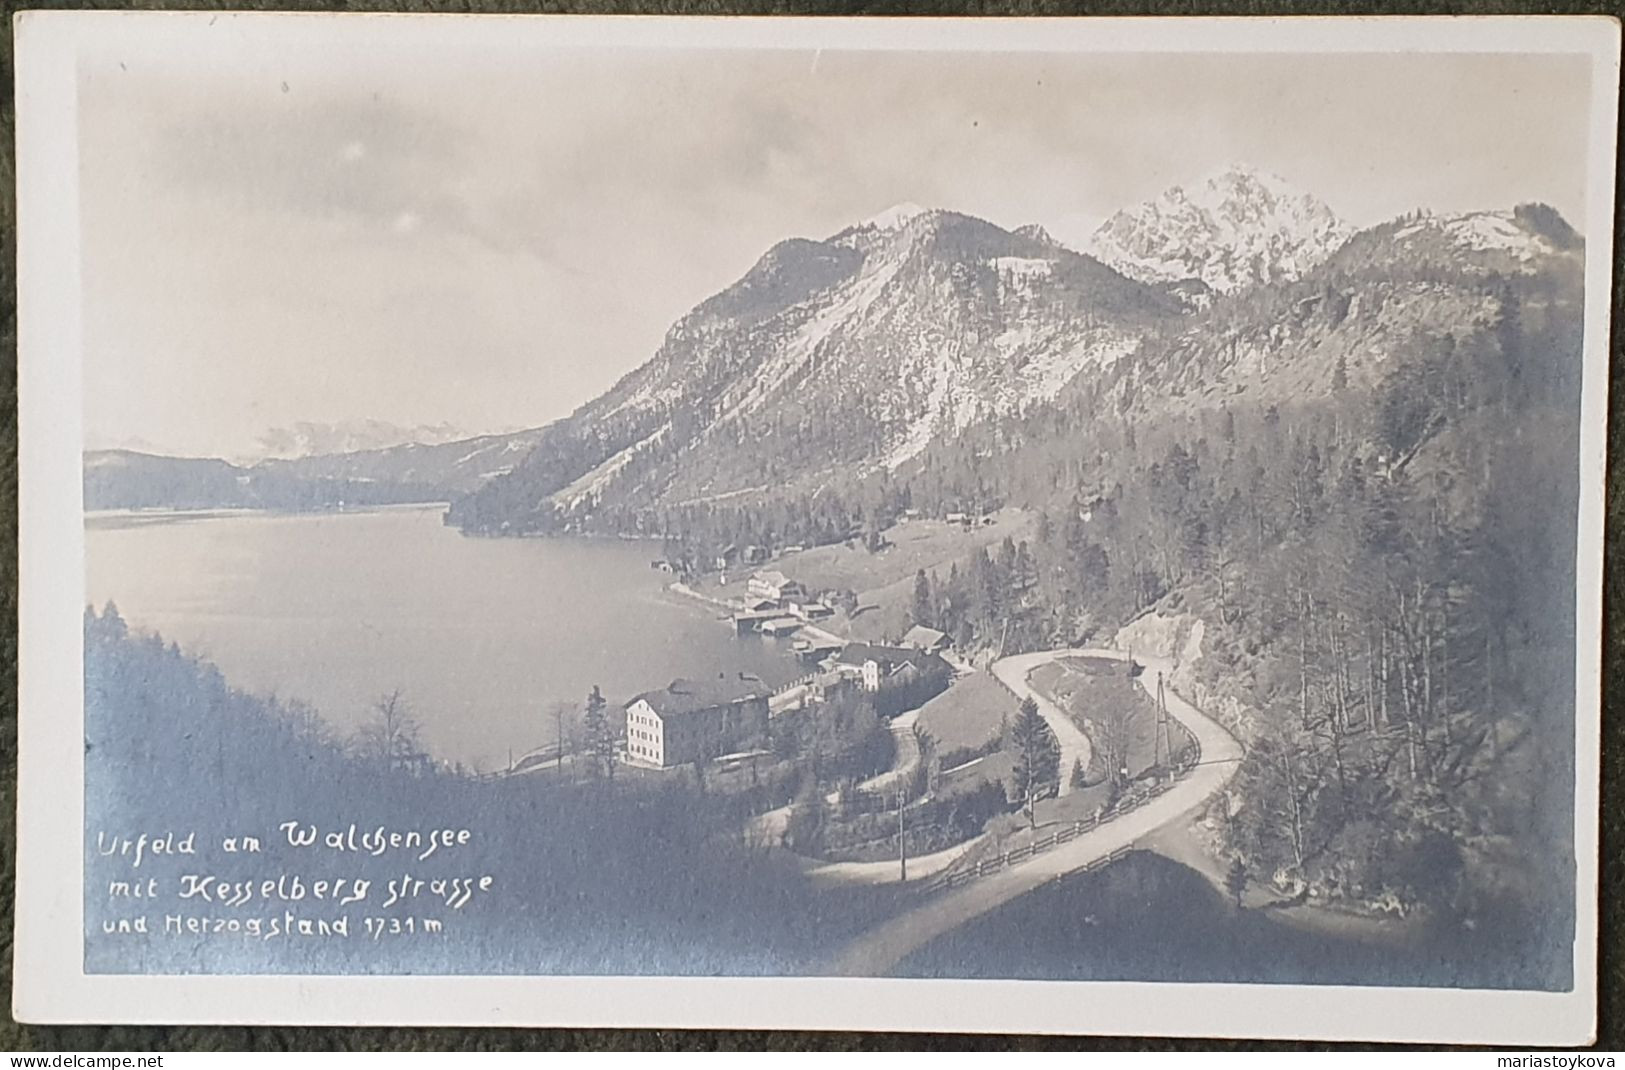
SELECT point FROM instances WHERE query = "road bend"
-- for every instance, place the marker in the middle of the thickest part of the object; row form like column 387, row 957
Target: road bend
column 878, row 951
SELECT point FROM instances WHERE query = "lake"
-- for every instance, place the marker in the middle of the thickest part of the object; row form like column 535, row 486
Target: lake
column 481, row 636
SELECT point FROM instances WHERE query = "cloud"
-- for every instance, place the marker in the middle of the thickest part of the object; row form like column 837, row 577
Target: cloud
column 362, row 158
column 493, row 240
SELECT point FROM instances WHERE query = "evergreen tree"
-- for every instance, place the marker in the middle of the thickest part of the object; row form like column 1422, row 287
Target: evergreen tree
column 600, row 734
column 1026, row 572
column 924, row 611
column 1037, row 756
column 1044, row 529
column 1509, row 329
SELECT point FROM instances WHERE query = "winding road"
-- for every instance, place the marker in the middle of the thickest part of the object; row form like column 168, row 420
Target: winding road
column 1013, row 672
column 876, row 952
column 767, row 829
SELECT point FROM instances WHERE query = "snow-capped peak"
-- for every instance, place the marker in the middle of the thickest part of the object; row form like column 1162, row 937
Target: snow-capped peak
column 1236, row 227
column 896, row 217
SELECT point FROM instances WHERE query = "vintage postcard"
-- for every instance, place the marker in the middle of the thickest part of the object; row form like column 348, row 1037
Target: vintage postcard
column 1041, row 526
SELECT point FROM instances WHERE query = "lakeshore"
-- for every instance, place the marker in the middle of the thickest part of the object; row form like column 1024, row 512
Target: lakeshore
column 735, row 607
column 484, row 638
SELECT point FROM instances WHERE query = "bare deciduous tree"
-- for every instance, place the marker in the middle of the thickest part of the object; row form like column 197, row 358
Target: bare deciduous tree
column 390, row 736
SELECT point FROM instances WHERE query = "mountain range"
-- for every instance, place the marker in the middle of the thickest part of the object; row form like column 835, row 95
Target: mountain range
column 308, row 439
column 858, row 352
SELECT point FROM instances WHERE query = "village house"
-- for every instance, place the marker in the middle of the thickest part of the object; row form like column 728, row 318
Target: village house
column 748, row 621
column 809, row 610
column 778, row 627
column 690, row 719
column 815, row 651
column 929, row 640
column 830, row 686
column 889, row 666
column 727, row 556
column 771, row 583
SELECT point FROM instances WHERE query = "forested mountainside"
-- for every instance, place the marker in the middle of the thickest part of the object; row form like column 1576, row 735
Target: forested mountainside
column 412, row 472
column 1361, row 476
column 831, row 357
column 834, row 363
column 1383, row 568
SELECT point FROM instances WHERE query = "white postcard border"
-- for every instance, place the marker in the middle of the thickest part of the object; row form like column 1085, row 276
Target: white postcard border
column 49, row 983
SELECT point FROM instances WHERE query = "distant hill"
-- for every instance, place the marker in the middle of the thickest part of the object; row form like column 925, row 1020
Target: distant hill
column 126, row 479
column 452, row 468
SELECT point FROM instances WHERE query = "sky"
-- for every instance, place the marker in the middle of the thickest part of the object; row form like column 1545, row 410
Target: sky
column 489, row 238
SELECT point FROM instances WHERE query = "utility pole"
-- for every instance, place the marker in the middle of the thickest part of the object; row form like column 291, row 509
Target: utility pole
column 902, row 850
column 1162, row 744
column 1156, row 732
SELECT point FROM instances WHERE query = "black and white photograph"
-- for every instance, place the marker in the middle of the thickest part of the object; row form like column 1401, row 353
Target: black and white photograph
column 735, row 502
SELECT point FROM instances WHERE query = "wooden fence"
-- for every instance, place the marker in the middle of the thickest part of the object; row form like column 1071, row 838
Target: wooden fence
column 960, row 874
column 1000, row 681
column 956, row 876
